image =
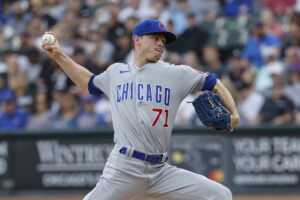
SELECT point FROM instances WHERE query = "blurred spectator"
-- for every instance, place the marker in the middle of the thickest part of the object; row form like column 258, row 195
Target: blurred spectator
column 258, row 41
column 250, row 104
column 248, row 76
column 179, row 16
column 41, row 118
column 100, row 50
column 205, row 10
column 292, row 89
column 173, row 57
column 277, row 109
column 170, row 27
column 45, row 79
column 88, row 118
column 63, row 32
column 237, row 8
column 35, row 30
column 137, row 8
column 55, row 8
column 59, row 80
column 161, row 12
column 263, row 79
column 12, row 117
column 20, row 18
column 212, row 62
column 6, row 12
column 239, row 75
column 130, row 23
column 123, row 47
column 71, row 19
column 270, row 25
column 279, row 7
column 78, row 40
column 292, row 57
column 190, row 59
column 33, row 66
column 3, row 89
column 36, row 10
column 56, row 96
column 59, row 84
column 297, row 116
column 236, row 68
column 5, row 55
column 297, row 6
column 186, row 111
column 82, row 31
column 80, row 58
column 68, row 112
column 115, row 28
column 193, row 38
column 24, row 44
column 103, row 108
column 24, row 94
column 292, row 38
column 13, row 65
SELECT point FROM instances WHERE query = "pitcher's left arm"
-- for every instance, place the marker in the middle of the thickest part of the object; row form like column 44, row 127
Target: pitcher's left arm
column 228, row 101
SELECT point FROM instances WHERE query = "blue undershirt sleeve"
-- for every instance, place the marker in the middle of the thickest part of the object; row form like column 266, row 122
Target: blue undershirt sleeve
column 92, row 88
column 210, row 82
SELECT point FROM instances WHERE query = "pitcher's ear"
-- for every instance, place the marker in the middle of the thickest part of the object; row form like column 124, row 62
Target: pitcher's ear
column 135, row 41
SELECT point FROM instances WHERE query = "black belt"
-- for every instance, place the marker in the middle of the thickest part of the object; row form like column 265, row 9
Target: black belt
column 149, row 158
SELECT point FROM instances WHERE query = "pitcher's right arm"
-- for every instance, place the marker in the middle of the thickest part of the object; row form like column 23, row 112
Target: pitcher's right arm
column 77, row 73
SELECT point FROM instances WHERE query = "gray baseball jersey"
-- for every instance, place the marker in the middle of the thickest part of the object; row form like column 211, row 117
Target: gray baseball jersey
column 145, row 101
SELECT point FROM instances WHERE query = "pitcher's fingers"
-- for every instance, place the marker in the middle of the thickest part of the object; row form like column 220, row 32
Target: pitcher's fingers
column 47, row 47
column 51, row 32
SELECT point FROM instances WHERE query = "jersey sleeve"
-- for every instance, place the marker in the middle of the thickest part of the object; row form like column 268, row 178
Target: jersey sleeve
column 191, row 80
column 210, row 81
column 101, row 83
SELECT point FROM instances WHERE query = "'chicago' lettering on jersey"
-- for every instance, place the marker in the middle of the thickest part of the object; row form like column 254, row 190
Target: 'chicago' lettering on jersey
column 144, row 92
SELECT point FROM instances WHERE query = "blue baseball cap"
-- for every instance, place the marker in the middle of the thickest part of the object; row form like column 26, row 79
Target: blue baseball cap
column 153, row 26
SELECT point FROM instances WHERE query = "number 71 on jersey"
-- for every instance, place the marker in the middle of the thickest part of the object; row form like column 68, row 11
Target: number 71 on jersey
column 159, row 112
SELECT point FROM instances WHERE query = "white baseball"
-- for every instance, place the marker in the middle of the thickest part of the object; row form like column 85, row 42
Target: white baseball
column 48, row 39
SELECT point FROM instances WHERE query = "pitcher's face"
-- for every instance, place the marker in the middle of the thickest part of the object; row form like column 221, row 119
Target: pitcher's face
column 151, row 46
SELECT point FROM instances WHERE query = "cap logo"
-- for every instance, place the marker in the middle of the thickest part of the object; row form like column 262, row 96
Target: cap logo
column 162, row 26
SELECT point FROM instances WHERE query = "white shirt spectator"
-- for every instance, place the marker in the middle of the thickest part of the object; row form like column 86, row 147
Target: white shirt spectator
column 185, row 111
column 263, row 79
column 144, row 11
column 103, row 107
column 250, row 107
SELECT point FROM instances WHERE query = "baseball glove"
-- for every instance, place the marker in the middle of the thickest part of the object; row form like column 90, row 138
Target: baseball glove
column 211, row 111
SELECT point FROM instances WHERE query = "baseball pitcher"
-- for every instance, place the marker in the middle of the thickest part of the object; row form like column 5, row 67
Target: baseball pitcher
column 144, row 97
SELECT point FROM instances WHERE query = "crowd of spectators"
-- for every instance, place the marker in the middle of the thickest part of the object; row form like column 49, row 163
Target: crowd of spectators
column 262, row 72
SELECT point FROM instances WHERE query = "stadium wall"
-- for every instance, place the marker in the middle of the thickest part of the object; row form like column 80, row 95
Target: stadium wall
column 260, row 160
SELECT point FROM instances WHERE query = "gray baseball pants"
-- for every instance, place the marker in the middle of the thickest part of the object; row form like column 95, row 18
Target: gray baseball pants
column 126, row 178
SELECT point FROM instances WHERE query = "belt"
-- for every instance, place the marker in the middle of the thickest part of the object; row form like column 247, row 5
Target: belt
column 148, row 158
